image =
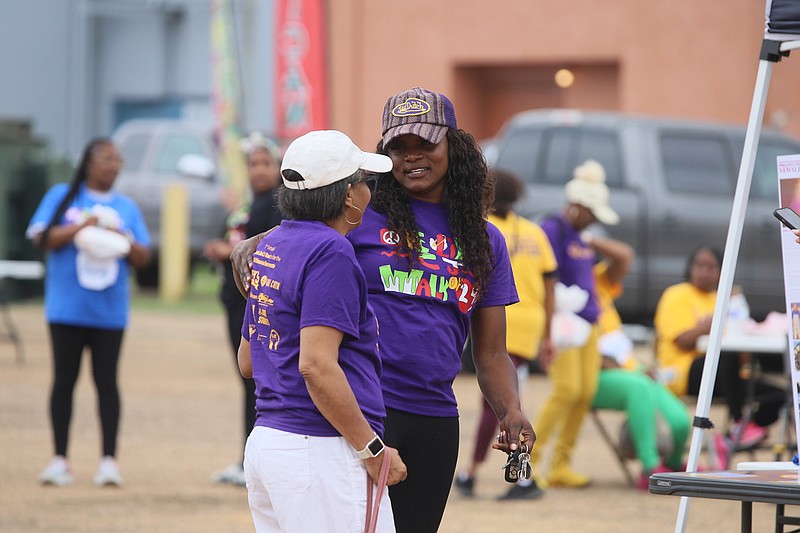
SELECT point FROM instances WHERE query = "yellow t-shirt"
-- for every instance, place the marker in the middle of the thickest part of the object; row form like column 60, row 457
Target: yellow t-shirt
column 531, row 258
column 678, row 310
column 609, row 319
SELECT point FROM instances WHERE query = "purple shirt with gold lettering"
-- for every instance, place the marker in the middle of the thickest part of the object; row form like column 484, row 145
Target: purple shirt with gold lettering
column 424, row 309
column 575, row 261
column 306, row 274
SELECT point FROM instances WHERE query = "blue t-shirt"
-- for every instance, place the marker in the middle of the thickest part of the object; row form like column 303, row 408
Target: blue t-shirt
column 66, row 301
column 306, row 274
column 424, row 312
column 575, row 262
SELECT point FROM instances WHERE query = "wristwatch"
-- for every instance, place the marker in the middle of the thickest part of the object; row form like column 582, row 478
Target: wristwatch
column 373, row 449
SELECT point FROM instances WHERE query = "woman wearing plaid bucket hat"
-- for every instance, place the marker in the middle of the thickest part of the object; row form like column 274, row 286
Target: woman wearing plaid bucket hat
column 435, row 270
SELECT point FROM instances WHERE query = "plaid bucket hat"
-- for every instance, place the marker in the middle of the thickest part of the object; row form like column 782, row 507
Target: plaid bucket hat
column 419, row 112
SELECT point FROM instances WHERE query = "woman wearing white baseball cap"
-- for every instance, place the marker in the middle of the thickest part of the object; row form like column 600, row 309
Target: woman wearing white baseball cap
column 309, row 340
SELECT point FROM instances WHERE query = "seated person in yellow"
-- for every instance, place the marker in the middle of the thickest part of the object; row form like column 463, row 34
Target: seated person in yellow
column 527, row 322
column 684, row 314
column 622, row 385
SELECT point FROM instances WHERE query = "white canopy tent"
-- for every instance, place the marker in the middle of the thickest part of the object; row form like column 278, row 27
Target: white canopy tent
column 782, row 34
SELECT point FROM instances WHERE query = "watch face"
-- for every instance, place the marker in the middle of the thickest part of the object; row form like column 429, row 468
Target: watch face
column 375, row 446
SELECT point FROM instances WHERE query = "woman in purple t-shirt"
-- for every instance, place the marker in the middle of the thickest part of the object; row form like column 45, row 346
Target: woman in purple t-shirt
column 309, row 341
column 435, row 269
column 576, row 369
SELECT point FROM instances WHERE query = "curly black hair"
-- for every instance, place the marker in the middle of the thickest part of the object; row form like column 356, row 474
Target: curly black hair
column 469, row 194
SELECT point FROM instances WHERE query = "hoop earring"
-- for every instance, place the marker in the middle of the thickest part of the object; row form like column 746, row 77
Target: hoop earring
column 360, row 218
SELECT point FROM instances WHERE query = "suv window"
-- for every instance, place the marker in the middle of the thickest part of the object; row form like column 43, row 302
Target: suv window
column 133, row 149
column 604, row 148
column 519, row 154
column 696, row 163
column 566, row 148
column 174, row 147
column 765, row 172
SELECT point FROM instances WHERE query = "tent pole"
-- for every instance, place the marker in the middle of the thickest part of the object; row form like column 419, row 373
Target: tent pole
column 701, row 420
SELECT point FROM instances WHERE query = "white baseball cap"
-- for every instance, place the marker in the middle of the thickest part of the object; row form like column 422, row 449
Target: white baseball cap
column 322, row 157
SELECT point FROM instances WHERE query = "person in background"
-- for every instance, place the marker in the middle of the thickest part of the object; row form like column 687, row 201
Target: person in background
column 310, row 341
column 575, row 370
column 254, row 217
column 623, row 385
column 92, row 235
column 435, row 268
column 527, row 322
column 683, row 314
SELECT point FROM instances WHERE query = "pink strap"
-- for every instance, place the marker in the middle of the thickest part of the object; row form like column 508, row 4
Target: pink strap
column 372, row 513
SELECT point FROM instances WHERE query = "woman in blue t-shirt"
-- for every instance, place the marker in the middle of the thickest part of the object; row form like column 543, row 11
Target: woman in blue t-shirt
column 435, row 270
column 92, row 234
column 309, row 340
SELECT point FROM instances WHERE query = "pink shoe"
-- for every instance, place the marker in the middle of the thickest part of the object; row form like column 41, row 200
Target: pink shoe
column 662, row 468
column 721, row 452
column 748, row 437
column 643, row 482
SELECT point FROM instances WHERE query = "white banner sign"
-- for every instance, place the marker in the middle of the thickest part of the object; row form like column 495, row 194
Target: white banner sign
column 789, row 189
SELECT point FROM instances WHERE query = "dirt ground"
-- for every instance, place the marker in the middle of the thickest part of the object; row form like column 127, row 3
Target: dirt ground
column 181, row 422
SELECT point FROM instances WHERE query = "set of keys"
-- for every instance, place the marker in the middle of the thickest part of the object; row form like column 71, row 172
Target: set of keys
column 518, row 465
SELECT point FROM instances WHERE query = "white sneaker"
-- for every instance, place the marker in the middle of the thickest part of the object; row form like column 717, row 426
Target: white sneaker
column 57, row 472
column 108, row 473
column 232, row 475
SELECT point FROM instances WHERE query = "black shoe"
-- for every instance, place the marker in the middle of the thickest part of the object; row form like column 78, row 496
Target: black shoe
column 520, row 492
column 465, row 484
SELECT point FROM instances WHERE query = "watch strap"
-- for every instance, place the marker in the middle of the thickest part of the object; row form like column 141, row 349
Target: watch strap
column 373, row 448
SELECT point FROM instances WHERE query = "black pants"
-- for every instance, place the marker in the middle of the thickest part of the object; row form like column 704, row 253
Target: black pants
column 428, row 446
column 768, row 399
column 234, row 310
column 68, row 343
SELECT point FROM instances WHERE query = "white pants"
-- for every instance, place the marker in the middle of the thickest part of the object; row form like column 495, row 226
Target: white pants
column 298, row 483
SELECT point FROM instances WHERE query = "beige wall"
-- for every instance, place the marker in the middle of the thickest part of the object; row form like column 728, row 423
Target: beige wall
column 684, row 58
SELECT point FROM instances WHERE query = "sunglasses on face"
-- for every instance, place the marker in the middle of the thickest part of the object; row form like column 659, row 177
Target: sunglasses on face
column 371, row 181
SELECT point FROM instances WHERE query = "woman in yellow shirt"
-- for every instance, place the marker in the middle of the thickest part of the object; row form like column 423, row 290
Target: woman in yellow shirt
column 684, row 314
column 623, row 385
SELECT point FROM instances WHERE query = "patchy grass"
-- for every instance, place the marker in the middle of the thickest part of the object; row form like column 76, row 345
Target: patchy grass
column 202, row 295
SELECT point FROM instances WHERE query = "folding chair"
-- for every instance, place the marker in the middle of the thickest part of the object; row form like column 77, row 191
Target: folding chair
column 613, row 445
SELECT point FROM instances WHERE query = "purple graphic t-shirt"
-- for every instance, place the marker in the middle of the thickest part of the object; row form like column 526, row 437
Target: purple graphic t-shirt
column 306, row 274
column 424, row 310
column 575, row 262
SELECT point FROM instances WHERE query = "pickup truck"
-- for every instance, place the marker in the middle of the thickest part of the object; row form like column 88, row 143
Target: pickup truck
column 155, row 151
column 672, row 183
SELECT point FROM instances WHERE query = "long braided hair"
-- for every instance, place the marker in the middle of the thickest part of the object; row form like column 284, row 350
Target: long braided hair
column 78, row 177
column 469, row 194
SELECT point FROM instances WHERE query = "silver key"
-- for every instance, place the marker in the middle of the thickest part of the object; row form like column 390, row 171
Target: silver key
column 524, row 469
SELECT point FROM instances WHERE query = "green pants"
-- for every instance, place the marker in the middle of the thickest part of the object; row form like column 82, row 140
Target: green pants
column 642, row 399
